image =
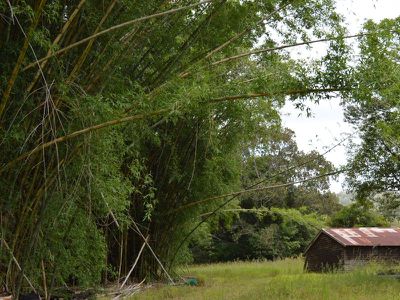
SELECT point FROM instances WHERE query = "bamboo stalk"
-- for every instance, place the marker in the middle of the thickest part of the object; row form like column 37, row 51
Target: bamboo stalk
column 134, row 264
column 185, row 73
column 125, row 40
column 245, row 31
column 154, row 113
column 7, row 92
column 84, row 131
column 270, row 187
column 183, row 48
column 94, row 76
column 194, row 158
column 125, row 260
column 32, row 209
column 121, row 248
column 287, row 93
column 153, row 49
column 152, row 252
column 40, row 211
column 44, row 281
column 24, row 208
column 18, row 265
column 172, row 11
column 236, row 194
column 55, row 42
column 85, row 52
column 235, row 57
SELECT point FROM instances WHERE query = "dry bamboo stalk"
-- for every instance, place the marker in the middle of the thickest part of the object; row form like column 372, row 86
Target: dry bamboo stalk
column 109, row 209
column 172, row 11
column 21, row 56
column 55, row 42
column 238, row 210
column 195, row 158
column 134, row 264
column 44, row 281
column 18, row 265
column 152, row 252
column 125, row 260
column 120, row 255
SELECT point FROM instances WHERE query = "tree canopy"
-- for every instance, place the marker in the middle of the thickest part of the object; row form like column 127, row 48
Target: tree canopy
column 373, row 108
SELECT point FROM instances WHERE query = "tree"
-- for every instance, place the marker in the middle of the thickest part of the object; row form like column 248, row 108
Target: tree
column 372, row 107
column 358, row 215
column 278, row 160
column 260, row 234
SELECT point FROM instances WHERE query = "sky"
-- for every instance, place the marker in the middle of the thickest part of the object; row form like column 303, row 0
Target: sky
column 327, row 126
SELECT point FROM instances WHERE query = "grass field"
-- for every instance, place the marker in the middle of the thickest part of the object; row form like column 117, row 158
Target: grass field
column 277, row 280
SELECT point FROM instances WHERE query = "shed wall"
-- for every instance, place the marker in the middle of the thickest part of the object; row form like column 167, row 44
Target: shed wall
column 324, row 254
column 357, row 256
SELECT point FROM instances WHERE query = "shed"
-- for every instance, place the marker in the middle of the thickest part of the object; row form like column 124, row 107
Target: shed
column 345, row 248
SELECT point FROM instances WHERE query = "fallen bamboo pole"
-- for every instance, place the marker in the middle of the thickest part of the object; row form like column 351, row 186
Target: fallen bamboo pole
column 135, row 263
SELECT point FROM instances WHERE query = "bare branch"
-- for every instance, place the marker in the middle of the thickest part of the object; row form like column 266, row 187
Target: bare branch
column 287, row 93
column 263, row 188
column 285, row 46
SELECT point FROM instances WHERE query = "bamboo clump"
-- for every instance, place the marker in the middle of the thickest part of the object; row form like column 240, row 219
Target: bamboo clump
column 111, row 120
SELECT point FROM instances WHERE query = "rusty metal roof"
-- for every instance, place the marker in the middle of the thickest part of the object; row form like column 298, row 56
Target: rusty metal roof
column 365, row 236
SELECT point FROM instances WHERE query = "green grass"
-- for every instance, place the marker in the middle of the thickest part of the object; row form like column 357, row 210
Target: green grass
column 277, row 280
